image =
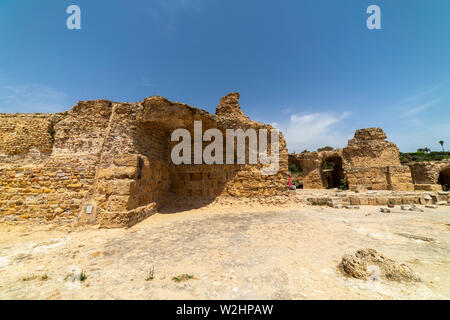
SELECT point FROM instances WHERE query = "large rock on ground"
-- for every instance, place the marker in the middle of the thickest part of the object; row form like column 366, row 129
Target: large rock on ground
column 357, row 265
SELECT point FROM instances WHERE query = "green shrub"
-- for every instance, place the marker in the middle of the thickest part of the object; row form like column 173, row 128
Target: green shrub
column 151, row 274
column 183, row 277
column 294, row 168
column 343, row 184
column 326, row 148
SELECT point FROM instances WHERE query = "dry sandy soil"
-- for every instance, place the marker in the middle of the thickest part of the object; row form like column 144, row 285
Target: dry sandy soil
column 289, row 253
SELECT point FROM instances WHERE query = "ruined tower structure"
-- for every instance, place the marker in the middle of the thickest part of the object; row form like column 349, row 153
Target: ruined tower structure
column 367, row 162
column 109, row 163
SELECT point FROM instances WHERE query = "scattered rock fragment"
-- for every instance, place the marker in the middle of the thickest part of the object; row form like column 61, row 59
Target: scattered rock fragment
column 431, row 206
column 385, row 210
column 412, row 207
column 415, row 208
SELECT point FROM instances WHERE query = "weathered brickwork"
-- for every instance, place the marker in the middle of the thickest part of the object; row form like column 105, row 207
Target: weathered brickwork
column 54, row 188
column 21, row 133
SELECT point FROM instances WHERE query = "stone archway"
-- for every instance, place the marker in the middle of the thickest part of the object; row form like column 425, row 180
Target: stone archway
column 332, row 172
column 444, row 179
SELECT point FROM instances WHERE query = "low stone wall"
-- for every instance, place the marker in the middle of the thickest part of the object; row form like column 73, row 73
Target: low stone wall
column 381, row 178
column 375, row 198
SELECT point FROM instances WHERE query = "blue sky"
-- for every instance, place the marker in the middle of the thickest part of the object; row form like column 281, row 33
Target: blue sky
column 309, row 66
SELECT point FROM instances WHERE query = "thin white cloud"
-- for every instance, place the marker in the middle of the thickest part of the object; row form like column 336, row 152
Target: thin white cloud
column 421, row 119
column 421, row 107
column 311, row 131
column 419, row 101
column 425, row 93
column 31, row 98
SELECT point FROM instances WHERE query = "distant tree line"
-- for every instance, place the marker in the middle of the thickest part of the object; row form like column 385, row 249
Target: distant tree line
column 425, row 154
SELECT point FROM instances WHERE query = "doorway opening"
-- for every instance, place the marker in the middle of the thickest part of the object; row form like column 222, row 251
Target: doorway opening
column 332, row 173
column 444, row 179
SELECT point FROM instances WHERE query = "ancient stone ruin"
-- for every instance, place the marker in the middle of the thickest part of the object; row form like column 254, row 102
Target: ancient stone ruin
column 431, row 175
column 368, row 162
column 109, row 163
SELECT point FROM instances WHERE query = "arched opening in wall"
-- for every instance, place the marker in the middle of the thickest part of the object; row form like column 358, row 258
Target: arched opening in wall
column 332, row 173
column 296, row 173
column 176, row 187
column 444, row 179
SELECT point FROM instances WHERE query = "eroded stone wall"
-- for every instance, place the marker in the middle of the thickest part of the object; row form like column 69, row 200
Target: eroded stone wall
column 109, row 163
column 428, row 175
column 311, row 164
column 368, row 162
column 22, row 133
column 372, row 162
column 39, row 181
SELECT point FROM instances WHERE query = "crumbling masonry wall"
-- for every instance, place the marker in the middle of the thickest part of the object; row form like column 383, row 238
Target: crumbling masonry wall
column 368, row 162
column 47, row 175
column 311, row 164
column 431, row 176
column 109, row 163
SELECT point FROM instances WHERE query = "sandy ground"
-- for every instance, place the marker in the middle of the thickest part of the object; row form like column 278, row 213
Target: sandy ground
column 290, row 253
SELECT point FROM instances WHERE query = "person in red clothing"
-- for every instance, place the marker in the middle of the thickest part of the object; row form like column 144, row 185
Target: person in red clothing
column 289, row 181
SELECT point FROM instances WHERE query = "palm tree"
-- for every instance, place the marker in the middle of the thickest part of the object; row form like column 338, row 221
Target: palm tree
column 426, row 150
column 442, row 145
